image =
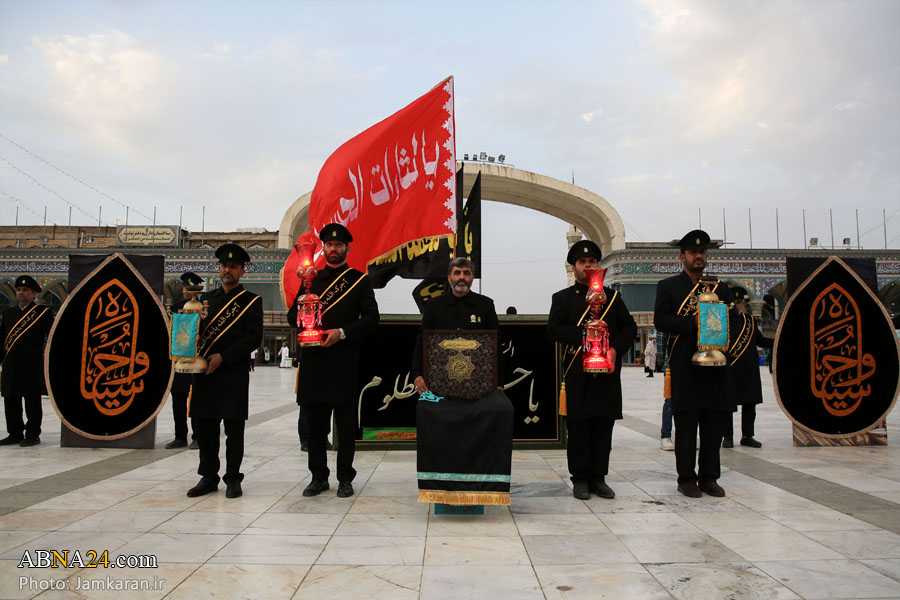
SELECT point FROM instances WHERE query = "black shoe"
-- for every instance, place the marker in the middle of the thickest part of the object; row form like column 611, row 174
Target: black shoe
column 691, row 490
column 176, row 443
column 581, row 490
column 650, row 375
column 315, row 488
column 304, row 446
column 599, row 488
column 345, row 489
column 728, row 442
column 749, row 441
column 195, row 445
column 233, row 489
column 11, row 440
column 207, row 485
column 713, row 489
column 30, row 442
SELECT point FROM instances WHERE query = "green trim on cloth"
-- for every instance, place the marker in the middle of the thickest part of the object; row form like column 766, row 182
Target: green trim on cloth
column 462, row 477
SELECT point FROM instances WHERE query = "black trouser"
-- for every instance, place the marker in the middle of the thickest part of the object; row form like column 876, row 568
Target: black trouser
column 303, row 427
column 748, row 418
column 206, row 432
column 318, row 418
column 588, row 446
column 12, row 405
column 179, row 412
column 712, row 425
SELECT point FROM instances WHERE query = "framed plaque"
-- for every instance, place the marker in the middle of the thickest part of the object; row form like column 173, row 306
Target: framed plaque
column 461, row 363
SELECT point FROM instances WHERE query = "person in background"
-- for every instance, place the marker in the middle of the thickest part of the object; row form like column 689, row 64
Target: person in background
column 650, row 356
column 181, row 382
column 743, row 366
column 24, row 332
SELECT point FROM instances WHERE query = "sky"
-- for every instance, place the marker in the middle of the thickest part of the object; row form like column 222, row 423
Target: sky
column 679, row 113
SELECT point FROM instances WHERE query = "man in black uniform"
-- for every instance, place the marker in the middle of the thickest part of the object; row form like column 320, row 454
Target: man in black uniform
column 328, row 374
column 699, row 394
column 24, row 331
column 181, row 383
column 460, row 309
column 743, row 365
column 594, row 401
column 231, row 330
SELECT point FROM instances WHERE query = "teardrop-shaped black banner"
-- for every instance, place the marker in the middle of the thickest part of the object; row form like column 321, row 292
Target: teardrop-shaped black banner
column 107, row 360
column 837, row 359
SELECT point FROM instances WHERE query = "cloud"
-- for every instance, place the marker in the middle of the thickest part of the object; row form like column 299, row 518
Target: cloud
column 4, row 59
column 106, row 80
column 219, row 51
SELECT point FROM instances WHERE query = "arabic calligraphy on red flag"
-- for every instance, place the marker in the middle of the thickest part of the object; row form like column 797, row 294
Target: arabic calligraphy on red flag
column 393, row 183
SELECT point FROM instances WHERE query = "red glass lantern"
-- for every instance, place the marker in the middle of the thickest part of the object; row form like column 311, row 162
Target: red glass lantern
column 309, row 312
column 595, row 344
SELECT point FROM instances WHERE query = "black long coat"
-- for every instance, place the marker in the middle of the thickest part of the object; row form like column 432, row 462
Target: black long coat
column 330, row 375
column 226, row 393
column 594, row 395
column 746, row 387
column 472, row 311
column 23, row 368
column 693, row 387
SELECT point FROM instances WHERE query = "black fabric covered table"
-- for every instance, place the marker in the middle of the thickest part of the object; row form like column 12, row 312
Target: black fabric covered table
column 465, row 450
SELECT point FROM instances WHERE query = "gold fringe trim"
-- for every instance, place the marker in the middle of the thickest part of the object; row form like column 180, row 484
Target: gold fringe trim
column 464, row 498
column 563, row 409
column 667, row 384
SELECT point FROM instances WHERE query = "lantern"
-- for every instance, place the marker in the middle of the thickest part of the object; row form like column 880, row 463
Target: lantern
column 309, row 312
column 596, row 335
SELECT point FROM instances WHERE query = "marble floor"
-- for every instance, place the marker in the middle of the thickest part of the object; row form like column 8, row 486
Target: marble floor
column 795, row 523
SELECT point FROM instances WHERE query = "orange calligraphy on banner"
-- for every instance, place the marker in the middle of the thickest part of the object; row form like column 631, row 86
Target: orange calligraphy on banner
column 838, row 365
column 111, row 368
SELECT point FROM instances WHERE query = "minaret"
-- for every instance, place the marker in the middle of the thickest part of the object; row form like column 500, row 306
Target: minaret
column 573, row 236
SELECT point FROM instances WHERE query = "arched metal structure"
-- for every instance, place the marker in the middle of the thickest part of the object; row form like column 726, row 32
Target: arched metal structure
column 591, row 213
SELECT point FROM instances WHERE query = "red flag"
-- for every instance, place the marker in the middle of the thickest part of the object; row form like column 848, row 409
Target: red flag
column 393, row 183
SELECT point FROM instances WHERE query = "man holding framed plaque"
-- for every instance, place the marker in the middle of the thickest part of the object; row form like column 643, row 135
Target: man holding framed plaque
column 699, row 392
column 464, row 422
column 593, row 401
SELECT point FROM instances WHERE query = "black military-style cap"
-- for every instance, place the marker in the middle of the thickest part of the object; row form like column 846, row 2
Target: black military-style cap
column 29, row 282
column 740, row 294
column 232, row 253
column 191, row 279
column 583, row 248
column 335, row 232
column 694, row 240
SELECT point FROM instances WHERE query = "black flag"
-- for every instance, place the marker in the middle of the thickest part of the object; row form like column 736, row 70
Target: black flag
column 468, row 240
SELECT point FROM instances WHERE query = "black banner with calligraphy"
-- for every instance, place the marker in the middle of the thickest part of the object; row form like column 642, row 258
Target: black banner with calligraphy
column 388, row 400
column 428, row 289
column 107, row 360
column 468, row 242
column 837, row 359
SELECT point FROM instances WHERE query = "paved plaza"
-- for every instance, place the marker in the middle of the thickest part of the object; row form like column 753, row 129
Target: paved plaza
column 796, row 522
